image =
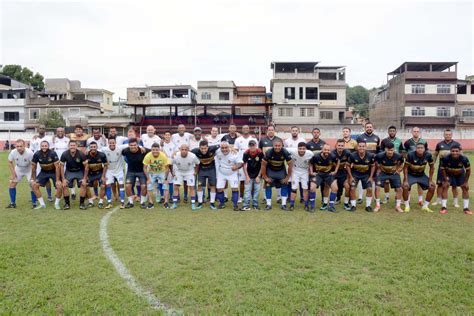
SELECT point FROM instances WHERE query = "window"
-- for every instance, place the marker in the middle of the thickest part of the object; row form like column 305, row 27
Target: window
column 301, row 93
column 325, row 115
column 108, row 100
column 307, row 112
column 328, row 76
column 328, row 96
column 141, row 93
column 443, row 88
column 256, row 99
column 180, row 94
column 311, row 93
column 75, row 112
column 468, row 113
column 285, row 111
column 11, row 116
column 443, row 111
column 417, row 111
column 472, row 88
column 160, row 94
column 224, row 96
column 206, row 95
column 22, row 95
column 462, row 89
column 34, row 114
column 290, row 93
column 9, row 95
column 1, row 95
column 417, row 88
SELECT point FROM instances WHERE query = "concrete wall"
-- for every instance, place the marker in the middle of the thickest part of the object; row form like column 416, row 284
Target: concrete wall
column 430, row 88
column 12, row 105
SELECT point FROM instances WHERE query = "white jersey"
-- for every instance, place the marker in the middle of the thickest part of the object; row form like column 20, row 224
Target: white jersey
column 115, row 159
column 224, row 163
column 60, row 145
column 300, row 163
column 101, row 142
column 178, row 140
column 193, row 143
column 35, row 144
column 169, row 148
column 184, row 165
column 242, row 144
column 149, row 141
column 119, row 140
column 22, row 161
column 214, row 141
column 292, row 143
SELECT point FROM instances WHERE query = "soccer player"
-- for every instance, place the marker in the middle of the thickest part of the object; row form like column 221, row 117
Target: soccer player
column 252, row 160
column 170, row 149
column 398, row 148
column 97, row 169
column 80, row 137
column 360, row 168
column 316, row 143
column 35, row 144
column 74, row 167
column 156, row 168
column 98, row 138
column 150, row 138
column 48, row 160
column 241, row 145
column 60, row 143
column 115, row 171
column 275, row 174
column 227, row 165
column 301, row 158
column 181, row 137
column 414, row 173
column 349, row 143
column 214, row 138
column 19, row 163
column 196, row 138
column 295, row 139
column 184, row 169
column 456, row 170
column 322, row 169
column 134, row 159
column 342, row 155
column 231, row 137
column 206, row 172
column 443, row 149
column 389, row 165
column 372, row 144
column 119, row 140
column 267, row 142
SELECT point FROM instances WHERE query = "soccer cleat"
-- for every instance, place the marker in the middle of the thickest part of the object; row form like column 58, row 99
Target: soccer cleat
column 174, row 206
column 33, row 205
column 443, row 210
column 108, row 206
column 221, row 206
column 73, row 196
column 312, row 210
column 195, row 207
column 185, row 200
column 377, row 208
column 236, row 208
column 82, row 207
column 398, row 209
column 166, row 205
column 11, row 205
column 323, row 207
column 359, row 201
column 66, row 207
column 143, row 206
column 347, row 206
column 332, row 209
column 420, row 203
column 457, row 206
column 129, row 205
column 467, row 211
column 435, row 203
column 353, row 209
column 199, row 205
column 279, row 200
column 50, row 199
column 268, row 207
column 212, row 206
column 369, row 209
column 292, row 208
column 56, row 206
column 284, row 208
column 426, row 209
column 39, row 207
column 407, row 209
column 337, row 202
column 306, row 208
column 100, row 205
column 245, row 208
column 150, row 206
column 122, row 205
column 90, row 205
column 256, row 208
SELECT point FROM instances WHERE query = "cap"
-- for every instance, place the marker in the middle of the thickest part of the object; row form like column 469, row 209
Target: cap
column 197, row 128
column 252, row 143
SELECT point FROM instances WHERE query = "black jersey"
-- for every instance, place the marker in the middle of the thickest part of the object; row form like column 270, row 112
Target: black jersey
column 96, row 163
column 323, row 164
column 276, row 161
column 134, row 159
column 228, row 138
column 207, row 160
column 266, row 143
column 74, row 162
column 416, row 165
column 46, row 160
column 444, row 149
column 389, row 165
column 254, row 162
column 372, row 140
column 315, row 147
column 343, row 158
column 455, row 167
column 361, row 165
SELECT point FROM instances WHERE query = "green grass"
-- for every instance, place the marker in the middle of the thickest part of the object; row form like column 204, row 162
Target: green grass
column 236, row 263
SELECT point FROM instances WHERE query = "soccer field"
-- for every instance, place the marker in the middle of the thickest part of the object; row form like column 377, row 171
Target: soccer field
column 226, row 262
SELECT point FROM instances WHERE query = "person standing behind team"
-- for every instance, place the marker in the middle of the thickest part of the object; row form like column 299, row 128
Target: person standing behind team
column 342, row 155
column 301, row 158
column 98, row 138
column 181, row 137
column 350, row 144
column 150, row 138
column 134, row 158
column 169, row 149
column 241, row 145
column 156, row 168
column 231, row 137
column 22, row 157
column 184, row 166
column 294, row 140
column 196, row 138
column 60, row 143
column 227, row 165
column 398, row 148
column 73, row 167
column 80, row 137
column 214, row 138
column 252, row 160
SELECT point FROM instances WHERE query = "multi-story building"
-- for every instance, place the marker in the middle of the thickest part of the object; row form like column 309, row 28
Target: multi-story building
column 218, row 92
column 306, row 94
column 13, row 97
column 465, row 103
column 416, row 94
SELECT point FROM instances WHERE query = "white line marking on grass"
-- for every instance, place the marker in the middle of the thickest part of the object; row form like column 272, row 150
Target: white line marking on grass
column 123, row 271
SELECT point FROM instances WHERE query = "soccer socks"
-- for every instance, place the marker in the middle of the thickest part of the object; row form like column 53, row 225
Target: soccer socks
column 122, row 194
column 312, row 198
column 292, row 202
column 284, row 195
column 175, row 198
column 235, row 197
column 160, row 189
column 398, row 202
column 200, row 196
column 48, row 190
column 455, row 201
column 139, row 190
column 387, row 196
column 67, row 200
column 12, row 192
column 353, row 202
column 33, row 197
column 41, row 201
column 130, row 199
column 368, row 201
column 377, row 201
column 420, row 198
column 346, row 200
column 444, row 203
column 96, row 191
column 325, row 200
column 268, row 195
column 171, row 189
column 426, row 204
column 108, row 193
column 407, row 203
column 220, row 197
column 212, row 197
column 332, row 197
column 465, row 203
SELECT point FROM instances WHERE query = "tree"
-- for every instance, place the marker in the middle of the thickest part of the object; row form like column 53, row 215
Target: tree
column 358, row 98
column 53, row 119
column 24, row 75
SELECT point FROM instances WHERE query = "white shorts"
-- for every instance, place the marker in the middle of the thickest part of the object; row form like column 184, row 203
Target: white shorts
column 298, row 178
column 22, row 173
column 233, row 180
column 111, row 176
column 180, row 178
column 241, row 174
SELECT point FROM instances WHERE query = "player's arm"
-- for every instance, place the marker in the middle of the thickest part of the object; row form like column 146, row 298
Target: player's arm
column 86, row 170
column 57, row 171
column 290, row 171
column 12, row 170
column 431, row 164
column 263, row 169
column 468, row 174
column 349, row 170
column 338, row 163
column 442, row 167
column 372, row 171
column 104, row 171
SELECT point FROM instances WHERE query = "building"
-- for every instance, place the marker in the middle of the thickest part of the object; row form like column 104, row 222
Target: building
column 306, row 94
column 13, row 97
column 465, row 103
column 65, row 89
column 416, row 94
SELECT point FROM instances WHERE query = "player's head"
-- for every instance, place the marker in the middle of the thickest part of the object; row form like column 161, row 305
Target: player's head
column 270, row 130
column 225, row 148
column 133, row 144
column 245, row 130
column 232, row 128
column 448, row 135
column 167, row 136
column 340, row 144
column 181, row 129
column 203, row 146
column 316, row 133
column 96, row 133
column 294, row 131
column 72, row 146
column 20, row 145
column 155, row 149
column 197, row 131
column 326, row 150
column 112, row 131
column 361, row 147
column 41, row 129
column 44, row 145
column 253, row 146
column 184, row 149
column 214, row 131
column 420, row 149
column 150, row 130
column 392, row 131
column 346, row 132
column 277, row 145
column 78, row 130
column 301, row 148
column 93, row 147
column 369, row 128
column 131, row 134
column 455, row 151
column 60, row 132
column 112, row 142
column 390, row 149
column 415, row 132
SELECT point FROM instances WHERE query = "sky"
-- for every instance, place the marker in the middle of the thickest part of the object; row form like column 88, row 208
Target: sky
column 119, row 44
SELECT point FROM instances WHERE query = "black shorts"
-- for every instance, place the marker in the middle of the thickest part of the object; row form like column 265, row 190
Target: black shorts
column 44, row 178
column 93, row 178
column 207, row 175
column 131, row 178
column 364, row 180
column 277, row 178
column 423, row 181
column 70, row 176
column 439, row 177
column 341, row 177
column 322, row 178
column 457, row 180
column 393, row 179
